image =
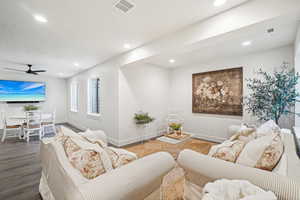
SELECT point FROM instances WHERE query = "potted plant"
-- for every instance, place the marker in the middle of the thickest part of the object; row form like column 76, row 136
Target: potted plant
column 176, row 127
column 142, row 118
column 28, row 108
column 273, row 94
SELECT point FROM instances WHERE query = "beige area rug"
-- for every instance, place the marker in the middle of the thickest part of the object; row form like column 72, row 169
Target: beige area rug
column 153, row 146
column 174, row 186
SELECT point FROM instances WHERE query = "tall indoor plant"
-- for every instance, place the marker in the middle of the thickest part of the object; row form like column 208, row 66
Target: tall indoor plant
column 272, row 94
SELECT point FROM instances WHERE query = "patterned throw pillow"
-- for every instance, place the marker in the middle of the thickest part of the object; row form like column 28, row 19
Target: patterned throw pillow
column 263, row 152
column 70, row 146
column 119, row 157
column 271, row 155
column 228, row 151
column 88, row 162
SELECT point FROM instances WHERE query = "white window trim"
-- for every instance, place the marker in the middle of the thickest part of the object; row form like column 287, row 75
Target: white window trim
column 71, row 100
column 90, row 114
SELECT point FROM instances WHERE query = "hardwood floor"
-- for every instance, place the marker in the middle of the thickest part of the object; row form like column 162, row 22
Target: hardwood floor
column 20, row 168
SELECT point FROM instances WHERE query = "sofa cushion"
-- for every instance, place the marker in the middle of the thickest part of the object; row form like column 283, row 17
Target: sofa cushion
column 244, row 134
column 88, row 162
column 271, row 155
column 228, row 150
column 95, row 137
column 263, row 152
column 70, row 146
column 267, row 128
column 120, row 157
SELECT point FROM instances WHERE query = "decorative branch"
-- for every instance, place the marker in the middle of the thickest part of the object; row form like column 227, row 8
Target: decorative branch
column 272, row 95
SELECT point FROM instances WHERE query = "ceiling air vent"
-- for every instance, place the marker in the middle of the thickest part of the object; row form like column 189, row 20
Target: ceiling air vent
column 124, row 5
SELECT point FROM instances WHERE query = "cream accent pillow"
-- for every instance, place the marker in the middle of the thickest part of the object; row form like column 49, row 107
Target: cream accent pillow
column 267, row 128
column 253, row 150
column 92, row 137
column 244, row 134
column 263, row 153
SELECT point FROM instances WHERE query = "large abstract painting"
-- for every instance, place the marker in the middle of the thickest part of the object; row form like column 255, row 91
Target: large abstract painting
column 218, row 92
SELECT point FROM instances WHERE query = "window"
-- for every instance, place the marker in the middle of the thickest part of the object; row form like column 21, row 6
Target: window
column 94, row 96
column 74, row 97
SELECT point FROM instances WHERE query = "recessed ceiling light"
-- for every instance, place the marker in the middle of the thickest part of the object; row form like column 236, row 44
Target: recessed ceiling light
column 76, row 64
column 219, row 2
column 40, row 18
column 246, row 43
column 172, row 60
column 127, row 46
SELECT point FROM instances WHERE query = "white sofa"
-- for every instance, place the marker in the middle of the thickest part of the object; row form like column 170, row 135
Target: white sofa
column 134, row 181
column 289, row 164
column 201, row 169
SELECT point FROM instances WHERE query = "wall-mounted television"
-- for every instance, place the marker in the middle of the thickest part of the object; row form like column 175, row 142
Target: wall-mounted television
column 22, row 91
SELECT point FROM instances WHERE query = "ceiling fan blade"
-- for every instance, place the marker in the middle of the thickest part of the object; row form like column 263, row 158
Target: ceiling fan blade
column 31, row 72
column 11, row 69
column 39, row 71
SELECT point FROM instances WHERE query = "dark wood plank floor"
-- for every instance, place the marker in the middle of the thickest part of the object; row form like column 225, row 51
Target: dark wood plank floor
column 20, row 169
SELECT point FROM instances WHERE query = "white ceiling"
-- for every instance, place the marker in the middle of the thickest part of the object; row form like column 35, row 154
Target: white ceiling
column 89, row 32
column 229, row 45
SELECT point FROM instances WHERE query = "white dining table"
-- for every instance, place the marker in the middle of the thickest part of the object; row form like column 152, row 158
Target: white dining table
column 23, row 117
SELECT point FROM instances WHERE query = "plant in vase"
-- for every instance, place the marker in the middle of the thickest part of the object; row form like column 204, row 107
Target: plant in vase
column 142, row 118
column 273, row 94
column 176, row 127
column 28, row 108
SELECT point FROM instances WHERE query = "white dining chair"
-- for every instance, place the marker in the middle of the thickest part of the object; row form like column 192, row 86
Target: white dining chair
column 49, row 122
column 10, row 128
column 33, row 125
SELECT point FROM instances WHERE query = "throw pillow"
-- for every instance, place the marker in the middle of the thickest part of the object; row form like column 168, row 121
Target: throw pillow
column 88, row 162
column 244, row 134
column 120, row 157
column 263, row 152
column 271, row 155
column 228, row 150
column 267, row 128
column 70, row 146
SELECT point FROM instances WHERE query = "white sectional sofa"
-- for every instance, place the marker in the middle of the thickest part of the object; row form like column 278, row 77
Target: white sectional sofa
column 289, row 164
column 134, row 181
column 201, row 169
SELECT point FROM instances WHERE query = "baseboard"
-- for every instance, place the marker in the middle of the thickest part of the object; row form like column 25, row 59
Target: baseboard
column 210, row 138
column 136, row 140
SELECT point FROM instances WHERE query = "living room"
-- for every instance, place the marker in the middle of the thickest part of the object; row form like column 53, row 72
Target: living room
column 136, row 81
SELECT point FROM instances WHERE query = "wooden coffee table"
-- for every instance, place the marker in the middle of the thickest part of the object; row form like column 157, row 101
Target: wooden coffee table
column 175, row 136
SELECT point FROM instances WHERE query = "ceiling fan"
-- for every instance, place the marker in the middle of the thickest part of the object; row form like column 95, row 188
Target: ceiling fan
column 29, row 71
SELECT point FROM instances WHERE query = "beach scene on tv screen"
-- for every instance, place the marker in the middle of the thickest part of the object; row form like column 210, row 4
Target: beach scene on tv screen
column 22, row 91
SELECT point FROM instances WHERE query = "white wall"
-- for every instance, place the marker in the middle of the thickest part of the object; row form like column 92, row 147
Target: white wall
column 214, row 127
column 56, row 95
column 297, row 69
column 142, row 87
column 108, row 121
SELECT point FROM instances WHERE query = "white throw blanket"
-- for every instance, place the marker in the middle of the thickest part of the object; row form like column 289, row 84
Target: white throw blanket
column 235, row 190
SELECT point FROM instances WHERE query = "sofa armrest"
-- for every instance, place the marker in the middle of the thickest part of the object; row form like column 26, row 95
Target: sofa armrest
column 134, row 181
column 212, row 169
